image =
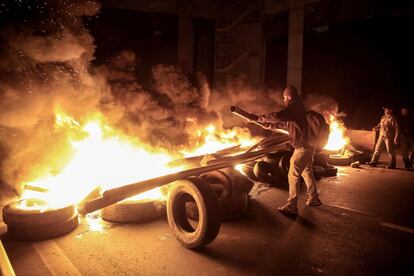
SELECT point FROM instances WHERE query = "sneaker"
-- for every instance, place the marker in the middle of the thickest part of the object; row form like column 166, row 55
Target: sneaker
column 313, row 202
column 371, row 163
column 289, row 210
column 390, row 167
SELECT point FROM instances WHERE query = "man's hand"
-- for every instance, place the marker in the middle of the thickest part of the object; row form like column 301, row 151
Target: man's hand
column 266, row 125
column 261, row 119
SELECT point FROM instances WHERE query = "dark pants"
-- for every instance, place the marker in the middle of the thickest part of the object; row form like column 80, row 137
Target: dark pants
column 407, row 146
column 389, row 144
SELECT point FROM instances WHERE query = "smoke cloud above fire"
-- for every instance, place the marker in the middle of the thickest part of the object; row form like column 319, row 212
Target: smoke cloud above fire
column 45, row 67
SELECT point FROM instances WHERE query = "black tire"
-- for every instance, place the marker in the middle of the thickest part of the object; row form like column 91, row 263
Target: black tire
column 321, row 159
column 181, row 193
column 284, row 164
column 133, row 211
column 219, row 177
column 266, row 173
column 43, row 232
column 242, row 184
column 231, row 208
column 247, row 170
column 13, row 215
column 339, row 160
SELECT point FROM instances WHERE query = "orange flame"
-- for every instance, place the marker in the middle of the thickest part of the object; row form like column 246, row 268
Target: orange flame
column 105, row 158
column 337, row 139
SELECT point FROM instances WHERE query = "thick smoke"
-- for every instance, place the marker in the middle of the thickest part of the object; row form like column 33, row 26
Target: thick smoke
column 45, row 67
column 238, row 92
column 323, row 104
column 166, row 113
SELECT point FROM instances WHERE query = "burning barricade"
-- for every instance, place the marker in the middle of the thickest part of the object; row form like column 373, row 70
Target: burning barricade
column 200, row 190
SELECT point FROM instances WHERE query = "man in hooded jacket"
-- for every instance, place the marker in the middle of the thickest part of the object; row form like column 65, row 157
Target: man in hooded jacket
column 294, row 118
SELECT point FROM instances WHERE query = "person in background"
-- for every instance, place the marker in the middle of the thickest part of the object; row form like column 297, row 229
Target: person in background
column 389, row 134
column 407, row 137
column 294, row 118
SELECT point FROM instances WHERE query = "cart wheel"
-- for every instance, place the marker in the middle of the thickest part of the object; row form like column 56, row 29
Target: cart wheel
column 133, row 211
column 42, row 232
column 15, row 215
column 193, row 234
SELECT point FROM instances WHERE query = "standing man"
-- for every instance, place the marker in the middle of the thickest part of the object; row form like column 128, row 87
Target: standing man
column 407, row 137
column 294, row 118
column 389, row 135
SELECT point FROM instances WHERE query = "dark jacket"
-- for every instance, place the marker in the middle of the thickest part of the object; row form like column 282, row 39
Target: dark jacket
column 294, row 118
column 407, row 126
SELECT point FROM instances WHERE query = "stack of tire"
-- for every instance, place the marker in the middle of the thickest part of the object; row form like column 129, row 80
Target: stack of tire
column 135, row 211
column 193, row 212
column 322, row 166
column 231, row 189
column 273, row 169
column 37, row 224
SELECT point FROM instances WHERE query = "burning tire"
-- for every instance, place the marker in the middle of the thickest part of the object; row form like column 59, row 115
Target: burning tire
column 133, row 211
column 339, row 160
column 15, row 215
column 189, row 235
column 42, row 232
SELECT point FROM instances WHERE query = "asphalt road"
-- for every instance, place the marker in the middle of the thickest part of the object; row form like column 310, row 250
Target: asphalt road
column 364, row 227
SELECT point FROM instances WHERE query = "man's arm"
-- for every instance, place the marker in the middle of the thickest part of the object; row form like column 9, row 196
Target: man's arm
column 284, row 115
column 378, row 127
column 396, row 126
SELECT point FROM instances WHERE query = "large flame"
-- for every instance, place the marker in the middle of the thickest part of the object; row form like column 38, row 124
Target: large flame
column 337, row 139
column 104, row 158
column 215, row 140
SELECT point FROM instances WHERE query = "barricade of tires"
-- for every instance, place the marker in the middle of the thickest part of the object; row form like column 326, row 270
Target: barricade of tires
column 193, row 232
column 136, row 211
column 274, row 168
column 37, row 224
column 231, row 189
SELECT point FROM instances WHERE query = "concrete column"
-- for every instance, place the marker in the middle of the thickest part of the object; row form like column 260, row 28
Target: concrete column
column 185, row 43
column 295, row 43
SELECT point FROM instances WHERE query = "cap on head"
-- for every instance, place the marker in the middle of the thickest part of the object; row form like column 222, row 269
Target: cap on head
column 291, row 91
